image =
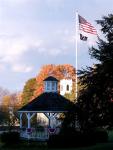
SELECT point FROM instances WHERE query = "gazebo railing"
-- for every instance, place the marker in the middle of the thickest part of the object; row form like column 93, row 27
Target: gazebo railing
column 37, row 134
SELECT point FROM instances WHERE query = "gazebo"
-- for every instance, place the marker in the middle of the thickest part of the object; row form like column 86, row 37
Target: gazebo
column 50, row 103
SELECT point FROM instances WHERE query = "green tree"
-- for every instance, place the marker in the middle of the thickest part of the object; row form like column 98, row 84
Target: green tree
column 28, row 91
column 95, row 98
column 96, row 92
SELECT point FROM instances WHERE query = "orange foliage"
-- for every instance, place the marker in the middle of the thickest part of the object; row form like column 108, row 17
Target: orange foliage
column 64, row 71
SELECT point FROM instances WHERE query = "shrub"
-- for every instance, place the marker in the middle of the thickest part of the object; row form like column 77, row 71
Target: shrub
column 10, row 138
column 76, row 139
column 73, row 138
column 100, row 136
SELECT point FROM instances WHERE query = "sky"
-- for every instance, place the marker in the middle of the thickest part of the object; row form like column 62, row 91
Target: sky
column 38, row 32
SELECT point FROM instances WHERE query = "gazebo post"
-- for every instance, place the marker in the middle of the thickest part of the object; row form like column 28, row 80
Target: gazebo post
column 29, row 116
column 50, row 117
column 21, row 120
column 28, row 120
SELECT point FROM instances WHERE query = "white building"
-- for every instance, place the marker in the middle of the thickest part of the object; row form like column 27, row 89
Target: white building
column 65, row 86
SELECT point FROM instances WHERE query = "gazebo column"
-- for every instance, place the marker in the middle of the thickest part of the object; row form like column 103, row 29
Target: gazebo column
column 28, row 121
column 21, row 120
column 29, row 116
column 51, row 117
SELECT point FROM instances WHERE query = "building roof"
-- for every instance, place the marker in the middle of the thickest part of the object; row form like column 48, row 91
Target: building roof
column 50, row 78
column 48, row 102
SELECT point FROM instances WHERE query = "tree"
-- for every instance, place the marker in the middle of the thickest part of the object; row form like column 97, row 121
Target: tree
column 97, row 92
column 6, row 101
column 28, row 91
column 34, row 86
column 11, row 100
column 3, row 92
column 59, row 71
column 9, row 105
column 95, row 99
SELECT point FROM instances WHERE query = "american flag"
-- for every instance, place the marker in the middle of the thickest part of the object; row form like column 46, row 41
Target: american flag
column 86, row 26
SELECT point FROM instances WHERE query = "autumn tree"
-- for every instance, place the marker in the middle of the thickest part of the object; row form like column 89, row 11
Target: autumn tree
column 34, row 87
column 10, row 100
column 58, row 71
column 9, row 107
column 28, row 91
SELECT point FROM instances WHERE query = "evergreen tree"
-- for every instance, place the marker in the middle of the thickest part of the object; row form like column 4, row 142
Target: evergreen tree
column 97, row 93
column 95, row 101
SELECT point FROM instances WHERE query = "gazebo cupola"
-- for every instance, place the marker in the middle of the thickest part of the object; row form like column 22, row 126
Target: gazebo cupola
column 50, row 84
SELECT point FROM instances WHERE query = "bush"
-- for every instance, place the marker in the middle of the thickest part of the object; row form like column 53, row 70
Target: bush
column 76, row 139
column 100, row 136
column 10, row 138
column 73, row 138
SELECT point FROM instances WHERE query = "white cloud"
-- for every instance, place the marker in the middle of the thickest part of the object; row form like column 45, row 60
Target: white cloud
column 22, row 68
column 12, row 48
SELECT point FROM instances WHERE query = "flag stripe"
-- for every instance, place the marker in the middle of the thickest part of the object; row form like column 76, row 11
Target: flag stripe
column 88, row 30
column 86, row 26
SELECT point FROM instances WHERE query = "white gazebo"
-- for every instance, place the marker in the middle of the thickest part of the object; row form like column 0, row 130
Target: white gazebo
column 50, row 104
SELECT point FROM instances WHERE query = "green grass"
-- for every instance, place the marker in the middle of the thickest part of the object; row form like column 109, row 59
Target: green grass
column 97, row 147
column 110, row 133
column 101, row 146
column 105, row 146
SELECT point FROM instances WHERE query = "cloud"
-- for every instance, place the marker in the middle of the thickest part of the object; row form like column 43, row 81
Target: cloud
column 12, row 50
column 13, row 47
column 22, row 68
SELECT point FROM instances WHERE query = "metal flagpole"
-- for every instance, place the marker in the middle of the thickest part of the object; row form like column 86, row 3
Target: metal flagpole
column 76, row 34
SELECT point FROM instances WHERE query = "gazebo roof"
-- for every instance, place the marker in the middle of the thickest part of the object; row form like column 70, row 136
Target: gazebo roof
column 50, row 78
column 52, row 102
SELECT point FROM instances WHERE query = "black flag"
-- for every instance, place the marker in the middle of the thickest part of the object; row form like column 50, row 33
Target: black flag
column 83, row 38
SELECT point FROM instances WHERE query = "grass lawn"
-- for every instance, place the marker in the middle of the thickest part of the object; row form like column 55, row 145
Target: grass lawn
column 101, row 146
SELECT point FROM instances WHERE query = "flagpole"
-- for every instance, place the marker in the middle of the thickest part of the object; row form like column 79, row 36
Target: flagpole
column 76, row 48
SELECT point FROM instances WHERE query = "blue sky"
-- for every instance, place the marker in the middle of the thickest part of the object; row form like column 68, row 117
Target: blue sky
column 38, row 32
